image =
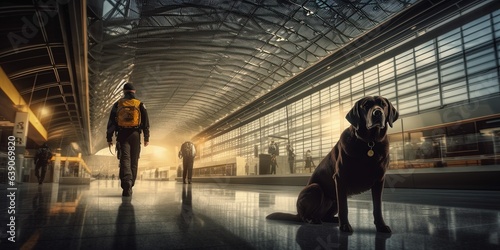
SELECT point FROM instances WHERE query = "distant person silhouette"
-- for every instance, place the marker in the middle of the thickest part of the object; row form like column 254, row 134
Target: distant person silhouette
column 187, row 153
column 309, row 161
column 291, row 157
column 273, row 151
column 42, row 159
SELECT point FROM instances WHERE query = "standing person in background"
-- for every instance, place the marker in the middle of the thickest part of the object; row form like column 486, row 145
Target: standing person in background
column 291, row 157
column 42, row 159
column 309, row 161
column 273, row 151
column 187, row 154
column 128, row 119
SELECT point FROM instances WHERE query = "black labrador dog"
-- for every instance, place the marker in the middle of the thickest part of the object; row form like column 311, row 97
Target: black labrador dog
column 356, row 164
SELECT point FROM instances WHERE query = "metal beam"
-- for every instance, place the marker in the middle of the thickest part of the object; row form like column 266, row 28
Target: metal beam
column 76, row 43
column 17, row 100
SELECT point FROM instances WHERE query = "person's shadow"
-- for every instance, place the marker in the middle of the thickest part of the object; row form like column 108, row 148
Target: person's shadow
column 125, row 226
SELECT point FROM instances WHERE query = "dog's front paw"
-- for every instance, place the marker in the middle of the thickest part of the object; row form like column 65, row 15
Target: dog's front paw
column 383, row 229
column 346, row 228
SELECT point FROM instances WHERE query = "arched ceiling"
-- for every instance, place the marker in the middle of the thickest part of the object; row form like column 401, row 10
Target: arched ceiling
column 194, row 63
column 36, row 55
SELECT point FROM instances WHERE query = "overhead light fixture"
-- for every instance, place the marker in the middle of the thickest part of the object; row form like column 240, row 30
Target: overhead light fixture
column 75, row 146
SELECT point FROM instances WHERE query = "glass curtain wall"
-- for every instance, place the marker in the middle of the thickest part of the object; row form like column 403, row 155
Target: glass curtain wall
column 458, row 66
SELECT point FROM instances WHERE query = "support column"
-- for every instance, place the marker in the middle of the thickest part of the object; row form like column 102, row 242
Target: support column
column 80, row 168
column 57, row 168
column 21, row 134
column 66, row 168
column 39, row 134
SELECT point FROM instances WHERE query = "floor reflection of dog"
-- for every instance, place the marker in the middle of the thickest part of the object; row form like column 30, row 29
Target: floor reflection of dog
column 319, row 237
column 357, row 163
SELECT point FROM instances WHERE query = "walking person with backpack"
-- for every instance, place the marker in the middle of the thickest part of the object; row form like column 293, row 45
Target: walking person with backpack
column 42, row 159
column 187, row 154
column 273, row 151
column 128, row 119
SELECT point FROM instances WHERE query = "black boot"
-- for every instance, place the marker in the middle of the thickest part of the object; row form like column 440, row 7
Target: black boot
column 127, row 188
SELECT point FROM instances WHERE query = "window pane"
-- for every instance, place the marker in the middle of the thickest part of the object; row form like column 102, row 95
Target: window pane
column 427, row 78
column 407, row 105
column 454, row 92
column 452, row 70
column 429, row 99
column 483, row 85
column 496, row 23
column 450, row 44
column 480, row 61
column 388, row 90
column 407, row 85
column 371, row 76
column 386, row 70
column 477, row 32
column 404, row 62
column 425, row 54
column 357, row 81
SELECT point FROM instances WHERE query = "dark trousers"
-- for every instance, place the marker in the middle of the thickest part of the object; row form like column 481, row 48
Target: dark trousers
column 309, row 164
column 43, row 166
column 274, row 164
column 130, row 149
column 290, row 163
column 187, row 165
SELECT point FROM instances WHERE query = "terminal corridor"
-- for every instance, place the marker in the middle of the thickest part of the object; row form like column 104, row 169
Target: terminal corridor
column 259, row 93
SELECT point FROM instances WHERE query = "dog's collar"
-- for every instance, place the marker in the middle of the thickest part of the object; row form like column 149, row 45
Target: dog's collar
column 371, row 144
column 361, row 138
column 370, row 152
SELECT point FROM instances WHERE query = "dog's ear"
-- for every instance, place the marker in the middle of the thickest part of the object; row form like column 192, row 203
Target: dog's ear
column 353, row 117
column 393, row 113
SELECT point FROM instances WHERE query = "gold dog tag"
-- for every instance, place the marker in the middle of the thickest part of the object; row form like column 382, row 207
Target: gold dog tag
column 370, row 153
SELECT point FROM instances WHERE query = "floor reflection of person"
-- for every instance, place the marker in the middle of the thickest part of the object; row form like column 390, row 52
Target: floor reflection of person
column 125, row 226
column 40, row 211
column 186, row 217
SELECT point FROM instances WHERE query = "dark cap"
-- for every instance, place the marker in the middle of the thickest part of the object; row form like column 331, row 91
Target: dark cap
column 128, row 86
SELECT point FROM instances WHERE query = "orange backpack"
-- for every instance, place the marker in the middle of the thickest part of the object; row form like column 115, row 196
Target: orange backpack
column 128, row 113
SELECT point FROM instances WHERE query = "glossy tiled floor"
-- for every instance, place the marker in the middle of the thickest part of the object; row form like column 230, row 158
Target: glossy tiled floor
column 170, row 215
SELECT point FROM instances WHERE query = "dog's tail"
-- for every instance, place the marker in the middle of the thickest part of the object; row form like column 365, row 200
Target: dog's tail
column 284, row 216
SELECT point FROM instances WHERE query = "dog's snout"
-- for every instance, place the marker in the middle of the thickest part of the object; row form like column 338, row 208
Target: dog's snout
column 377, row 112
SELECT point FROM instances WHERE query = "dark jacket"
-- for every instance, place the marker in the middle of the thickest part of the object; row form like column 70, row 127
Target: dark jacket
column 188, row 150
column 113, row 125
column 43, row 154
